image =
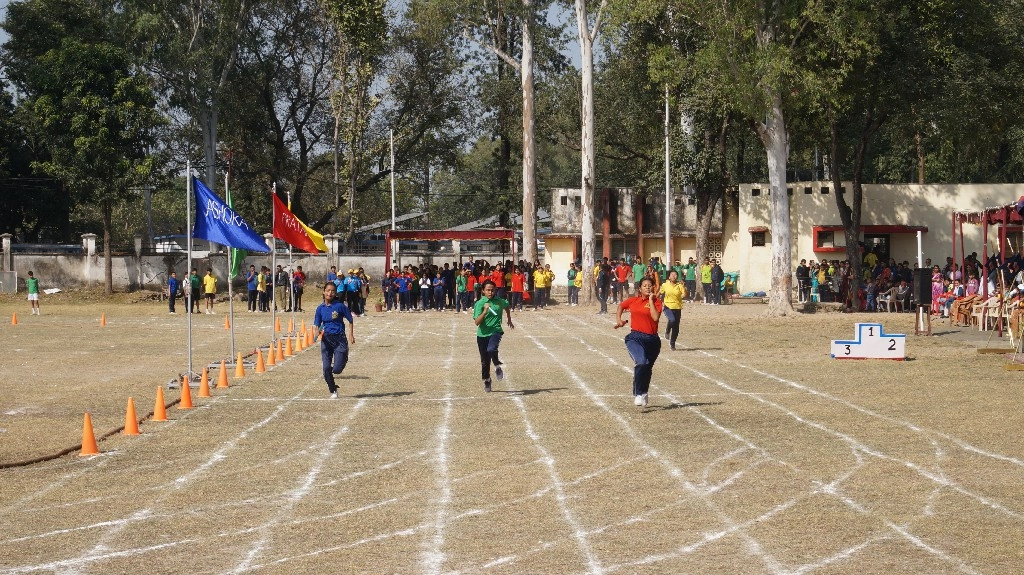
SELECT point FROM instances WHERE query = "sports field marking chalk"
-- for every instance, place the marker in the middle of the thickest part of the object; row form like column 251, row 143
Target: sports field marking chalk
column 872, row 343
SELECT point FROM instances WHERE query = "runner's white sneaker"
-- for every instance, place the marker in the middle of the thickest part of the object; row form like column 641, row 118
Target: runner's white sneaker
column 638, row 400
column 334, row 395
column 644, row 404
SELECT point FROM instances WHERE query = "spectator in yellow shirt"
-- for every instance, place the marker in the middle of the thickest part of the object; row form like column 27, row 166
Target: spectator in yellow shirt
column 209, row 289
column 540, row 289
column 672, row 297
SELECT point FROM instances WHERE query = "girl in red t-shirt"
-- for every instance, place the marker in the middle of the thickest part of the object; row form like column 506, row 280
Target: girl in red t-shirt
column 643, row 342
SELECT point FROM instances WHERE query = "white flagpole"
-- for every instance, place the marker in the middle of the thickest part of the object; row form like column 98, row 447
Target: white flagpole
column 668, row 192
column 291, row 273
column 231, row 299
column 273, row 269
column 188, row 274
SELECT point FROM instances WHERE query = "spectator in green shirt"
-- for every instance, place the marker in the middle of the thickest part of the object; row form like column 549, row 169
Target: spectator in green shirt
column 33, row 293
column 639, row 269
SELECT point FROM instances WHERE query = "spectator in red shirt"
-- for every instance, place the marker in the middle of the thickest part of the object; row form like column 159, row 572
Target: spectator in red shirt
column 622, row 272
column 498, row 277
column 643, row 342
column 518, row 285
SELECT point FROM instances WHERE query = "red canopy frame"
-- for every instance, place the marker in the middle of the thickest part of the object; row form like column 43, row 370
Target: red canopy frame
column 435, row 235
column 1002, row 216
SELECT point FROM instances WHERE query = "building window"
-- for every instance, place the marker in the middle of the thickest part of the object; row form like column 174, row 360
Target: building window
column 565, row 200
column 691, row 201
column 826, row 239
column 757, row 239
column 824, row 189
column 808, row 190
column 755, row 192
column 578, row 202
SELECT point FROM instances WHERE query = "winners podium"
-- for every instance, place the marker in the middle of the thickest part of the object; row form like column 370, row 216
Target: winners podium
column 871, row 343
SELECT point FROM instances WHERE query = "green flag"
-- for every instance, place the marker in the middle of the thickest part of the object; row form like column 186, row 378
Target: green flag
column 237, row 256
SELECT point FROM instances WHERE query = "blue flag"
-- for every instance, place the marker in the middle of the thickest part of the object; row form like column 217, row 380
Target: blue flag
column 216, row 222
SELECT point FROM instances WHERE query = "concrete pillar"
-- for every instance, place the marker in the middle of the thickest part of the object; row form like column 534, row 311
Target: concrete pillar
column 138, row 245
column 89, row 243
column 7, row 264
column 333, row 244
column 269, row 238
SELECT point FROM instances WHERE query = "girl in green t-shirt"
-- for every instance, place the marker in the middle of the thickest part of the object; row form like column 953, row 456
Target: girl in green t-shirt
column 33, row 293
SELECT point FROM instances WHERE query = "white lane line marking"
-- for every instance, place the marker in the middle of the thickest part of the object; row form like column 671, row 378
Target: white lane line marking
column 432, row 557
column 324, row 452
column 917, row 542
column 580, row 534
column 857, row 446
column 117, row 526
column 753, row 547
column 912, row 427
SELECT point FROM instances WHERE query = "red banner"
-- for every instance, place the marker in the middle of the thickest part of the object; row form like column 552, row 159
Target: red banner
column 288, row 228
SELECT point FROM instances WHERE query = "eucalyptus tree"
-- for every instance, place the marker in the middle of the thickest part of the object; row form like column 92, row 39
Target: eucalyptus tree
column 758, row 52
column 359, row 30
column 192, row 49
column 283, row 71
column 85, row 90
column 588, row 29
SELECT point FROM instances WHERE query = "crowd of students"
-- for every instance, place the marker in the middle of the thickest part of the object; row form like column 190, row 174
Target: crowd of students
column 281, row 289
column 889, row 285
column 457, row 288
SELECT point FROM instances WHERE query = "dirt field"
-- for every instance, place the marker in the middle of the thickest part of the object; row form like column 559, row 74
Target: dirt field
column 758, row 454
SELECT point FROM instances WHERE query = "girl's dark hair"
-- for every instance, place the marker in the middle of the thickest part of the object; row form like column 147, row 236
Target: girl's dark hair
column 483, row 285
column 647, row 279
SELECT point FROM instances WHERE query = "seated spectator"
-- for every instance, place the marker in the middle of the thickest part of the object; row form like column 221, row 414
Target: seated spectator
column 903, row 293
column 961, row 310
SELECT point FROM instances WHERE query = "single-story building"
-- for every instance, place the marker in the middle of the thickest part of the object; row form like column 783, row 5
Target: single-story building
column 630, row 223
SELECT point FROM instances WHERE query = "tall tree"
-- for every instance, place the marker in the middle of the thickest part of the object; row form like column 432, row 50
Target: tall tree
column 360, row 30
column 587, row 33
column 95, row 107
column 192, row 49
column 760, row 51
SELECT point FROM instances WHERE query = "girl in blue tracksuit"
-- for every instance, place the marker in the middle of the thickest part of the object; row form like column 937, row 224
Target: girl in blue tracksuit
column 330, row 322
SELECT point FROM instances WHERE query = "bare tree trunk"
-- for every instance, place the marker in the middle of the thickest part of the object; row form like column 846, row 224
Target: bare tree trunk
column 586, row 38
column 776, row 143
column 529, row 147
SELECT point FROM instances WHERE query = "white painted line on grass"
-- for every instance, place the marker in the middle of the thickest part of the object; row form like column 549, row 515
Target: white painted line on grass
column 432, row 557
column 752, row 545
column 578, row 532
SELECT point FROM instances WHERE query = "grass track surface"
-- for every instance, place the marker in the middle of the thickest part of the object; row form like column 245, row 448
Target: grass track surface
column 758, row 453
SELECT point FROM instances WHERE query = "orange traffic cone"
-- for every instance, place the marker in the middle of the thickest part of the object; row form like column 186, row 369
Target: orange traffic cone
column 302, row 327
column 159, row 409
column 227, row 324
column 103, row 320
column 277, row 325
column 204, row 383
column 14, row 318
column 299, row 340
column 222, row 378
column 186, row 394
column 309, row 336
column 291, row 325
column 270, row 355
column 239, row 367
column 288, row 347
column 260, row 366
column 89, row 446
column 131, row 422
column 280, row 350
